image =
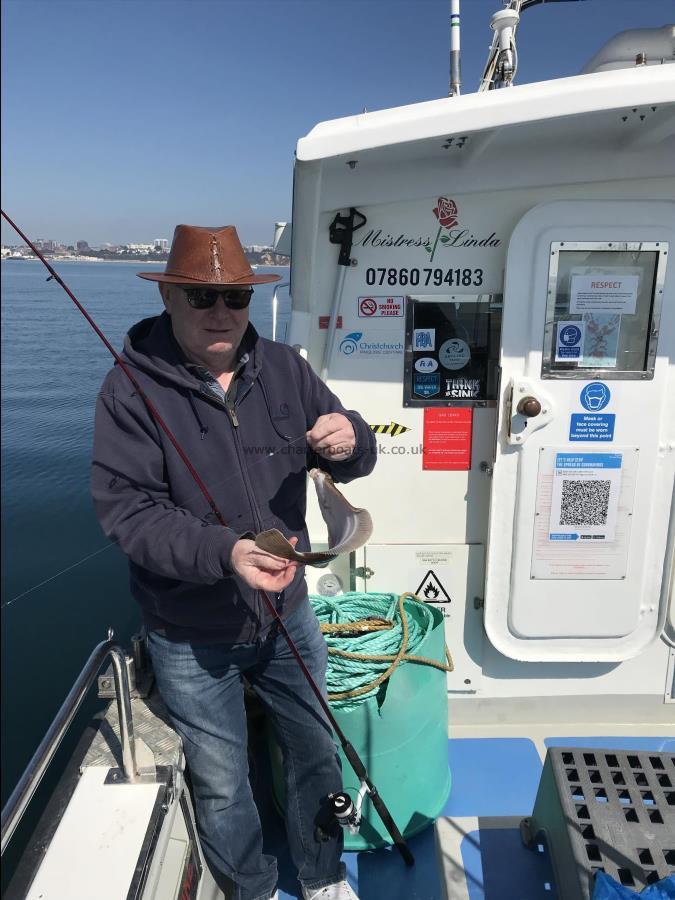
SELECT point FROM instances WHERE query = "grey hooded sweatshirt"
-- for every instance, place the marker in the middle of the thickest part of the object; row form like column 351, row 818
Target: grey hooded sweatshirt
column 251, row 454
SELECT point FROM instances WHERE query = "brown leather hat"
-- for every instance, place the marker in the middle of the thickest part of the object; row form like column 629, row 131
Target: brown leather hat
column 201, row 255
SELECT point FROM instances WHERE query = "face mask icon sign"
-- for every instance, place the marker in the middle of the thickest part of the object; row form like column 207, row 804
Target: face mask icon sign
column 570, row 335
column 595, row 396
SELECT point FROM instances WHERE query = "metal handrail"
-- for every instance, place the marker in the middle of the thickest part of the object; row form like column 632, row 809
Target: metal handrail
column 275, row 303
column 23, row 792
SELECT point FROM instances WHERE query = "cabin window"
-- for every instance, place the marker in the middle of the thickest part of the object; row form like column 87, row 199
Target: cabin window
column 452, row 350
column 603, row 308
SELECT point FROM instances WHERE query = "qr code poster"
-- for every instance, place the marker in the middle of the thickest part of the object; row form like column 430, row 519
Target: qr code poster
column 583, row 513
column 585, row 496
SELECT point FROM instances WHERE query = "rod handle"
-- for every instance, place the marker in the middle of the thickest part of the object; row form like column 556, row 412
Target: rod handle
column 379, row 804
column 390, row 825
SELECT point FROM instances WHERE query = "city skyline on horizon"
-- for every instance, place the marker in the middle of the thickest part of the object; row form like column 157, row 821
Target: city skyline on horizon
column 119, row 151
column 52, row 240
column 17, row 242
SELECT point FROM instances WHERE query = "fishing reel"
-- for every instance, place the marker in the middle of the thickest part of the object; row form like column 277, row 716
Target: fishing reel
column 340, row 811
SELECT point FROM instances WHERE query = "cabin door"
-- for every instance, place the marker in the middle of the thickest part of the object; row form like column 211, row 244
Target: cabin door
column 582, row 495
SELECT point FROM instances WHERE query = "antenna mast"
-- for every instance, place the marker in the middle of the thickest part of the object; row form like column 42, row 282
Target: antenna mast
column 455, row 72
column 502, row 62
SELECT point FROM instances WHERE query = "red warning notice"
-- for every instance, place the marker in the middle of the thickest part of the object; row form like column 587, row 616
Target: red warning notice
column 324, row 322
column 447, row 439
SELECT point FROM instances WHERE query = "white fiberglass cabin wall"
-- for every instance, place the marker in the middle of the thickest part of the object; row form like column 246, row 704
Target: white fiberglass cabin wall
column 508, row 323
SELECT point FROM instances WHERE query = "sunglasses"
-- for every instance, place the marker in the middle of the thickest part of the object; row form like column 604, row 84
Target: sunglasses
column 205, row 298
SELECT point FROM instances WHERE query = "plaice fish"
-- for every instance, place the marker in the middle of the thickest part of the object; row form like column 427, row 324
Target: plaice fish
column 348, row 527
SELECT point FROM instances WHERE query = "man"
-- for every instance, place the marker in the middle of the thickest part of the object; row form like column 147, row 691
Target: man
column 251, row 416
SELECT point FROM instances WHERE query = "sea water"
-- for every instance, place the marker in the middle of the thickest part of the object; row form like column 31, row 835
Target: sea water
column 63, row 583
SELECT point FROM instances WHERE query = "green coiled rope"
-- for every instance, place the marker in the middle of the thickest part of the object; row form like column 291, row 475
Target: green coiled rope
column 368, row 636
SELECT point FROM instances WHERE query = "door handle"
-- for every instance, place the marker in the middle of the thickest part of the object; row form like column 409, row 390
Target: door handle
column 527, row 409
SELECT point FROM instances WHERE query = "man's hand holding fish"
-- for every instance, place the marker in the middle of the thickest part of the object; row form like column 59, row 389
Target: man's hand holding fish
column 262, row 570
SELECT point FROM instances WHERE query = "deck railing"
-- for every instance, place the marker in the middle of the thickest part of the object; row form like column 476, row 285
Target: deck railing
column 275, row 308
column 23, row 792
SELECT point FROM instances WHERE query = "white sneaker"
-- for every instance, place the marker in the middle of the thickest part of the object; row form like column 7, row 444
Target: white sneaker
column 341, row 890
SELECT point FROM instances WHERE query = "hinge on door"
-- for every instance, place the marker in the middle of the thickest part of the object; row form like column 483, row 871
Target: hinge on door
column 363, row 572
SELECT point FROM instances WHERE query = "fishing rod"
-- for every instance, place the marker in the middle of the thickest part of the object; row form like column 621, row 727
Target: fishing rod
column 343, row 814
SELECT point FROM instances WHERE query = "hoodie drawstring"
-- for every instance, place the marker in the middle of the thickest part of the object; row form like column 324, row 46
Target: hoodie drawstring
column 203, row 429
column 261, row 382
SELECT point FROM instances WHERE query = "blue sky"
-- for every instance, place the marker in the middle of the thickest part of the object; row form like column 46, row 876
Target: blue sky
column 123, row 117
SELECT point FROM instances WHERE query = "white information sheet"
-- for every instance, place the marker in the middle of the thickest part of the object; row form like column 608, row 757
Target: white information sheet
column 604, row 293
column 585, row 496
column 583, row 513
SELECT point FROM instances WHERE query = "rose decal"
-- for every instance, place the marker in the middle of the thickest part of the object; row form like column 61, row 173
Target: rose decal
column 446, row 212
column 447, row 215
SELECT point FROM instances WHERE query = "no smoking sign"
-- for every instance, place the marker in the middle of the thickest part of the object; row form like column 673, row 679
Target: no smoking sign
column 380, row 307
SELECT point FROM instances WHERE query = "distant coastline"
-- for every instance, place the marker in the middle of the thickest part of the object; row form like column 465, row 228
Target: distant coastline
column 84, row 259
column 134, row 262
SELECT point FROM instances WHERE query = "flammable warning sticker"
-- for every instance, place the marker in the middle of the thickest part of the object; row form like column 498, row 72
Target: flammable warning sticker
column 432, row 590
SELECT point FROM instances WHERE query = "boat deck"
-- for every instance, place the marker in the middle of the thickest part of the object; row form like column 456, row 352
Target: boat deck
column 475, row 851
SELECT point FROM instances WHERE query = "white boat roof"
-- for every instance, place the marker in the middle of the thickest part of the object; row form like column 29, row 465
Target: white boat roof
column 537, row 102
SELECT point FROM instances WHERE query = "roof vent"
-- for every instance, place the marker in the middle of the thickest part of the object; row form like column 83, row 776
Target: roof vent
column 653, row 46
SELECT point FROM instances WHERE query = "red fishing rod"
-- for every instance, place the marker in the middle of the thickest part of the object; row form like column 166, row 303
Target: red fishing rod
column 341, row 800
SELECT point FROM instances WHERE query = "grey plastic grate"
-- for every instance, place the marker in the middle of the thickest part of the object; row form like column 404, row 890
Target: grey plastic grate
column 607, row 811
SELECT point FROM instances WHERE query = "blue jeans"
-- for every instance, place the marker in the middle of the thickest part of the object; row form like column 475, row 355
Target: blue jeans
column 201, row 685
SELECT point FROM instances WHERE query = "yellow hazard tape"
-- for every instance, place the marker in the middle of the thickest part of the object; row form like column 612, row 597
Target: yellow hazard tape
column 393, row 429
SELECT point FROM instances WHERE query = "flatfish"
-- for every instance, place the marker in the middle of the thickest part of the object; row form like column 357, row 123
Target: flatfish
column 348, row 527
